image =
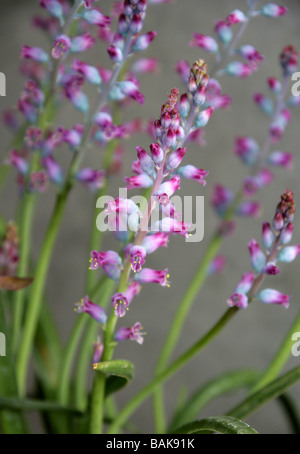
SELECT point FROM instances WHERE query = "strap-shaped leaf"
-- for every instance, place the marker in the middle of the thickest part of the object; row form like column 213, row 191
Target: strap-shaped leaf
column 11, row 421
column 14, row 403
column 14, row 283
column 212, row 389
column 264, row 395
column 218, row 424
column 120, row 372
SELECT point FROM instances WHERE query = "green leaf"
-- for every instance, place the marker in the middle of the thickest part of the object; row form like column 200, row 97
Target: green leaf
column 11, row 421
column 14, row 283
column 218, row 424
column 266, row 394
column 291, row 411
column 214, row 388
column 14, row 403
column 120, row 372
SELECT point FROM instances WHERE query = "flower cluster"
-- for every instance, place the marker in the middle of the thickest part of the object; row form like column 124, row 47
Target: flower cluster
column 161, row 171
column 56, row 73
column 225, row 41
column 275, row 237
column 260, row 159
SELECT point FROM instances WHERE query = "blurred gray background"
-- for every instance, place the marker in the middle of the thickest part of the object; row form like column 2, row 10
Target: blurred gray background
column 254, row 335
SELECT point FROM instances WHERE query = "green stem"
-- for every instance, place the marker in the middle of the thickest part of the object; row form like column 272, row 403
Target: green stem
column 53, row 227
column 97, row 404
column 171, row 370
column 38, row 287
column 280, row 358
column 11, row 421
column 28, row 208
column 86, row 347
column 98, row 392
column 177, row 324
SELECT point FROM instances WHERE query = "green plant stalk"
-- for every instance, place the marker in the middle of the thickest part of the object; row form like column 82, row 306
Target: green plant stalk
column 182, row 312
column 85, row 351
column 98, row 392
column 38, row 287
column 73, row 342
column 53, row 227
column 80, row 325
column 175, row 330
column 29, row 202
column 28, row 209
column 11, row 421
column 177, row 324
column 280, row 358
column 171, row 370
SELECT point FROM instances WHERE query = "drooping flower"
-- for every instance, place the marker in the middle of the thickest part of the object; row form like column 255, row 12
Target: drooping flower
column 205, row 42
column 35, row 53
column 53, row 169
column 239, row 300
column 271, row 296
column 191, row 172
column 236, row 17
column 133, row 333
column 93, row 179
column 95, row 311
column 110, row 261
column 89, row 72
column 81, row 43
column 54, row 7
column 94, row 17
column 267, row 235
column 121, row 301
column 98, row 350
column 61, row 46
column 171, row 225
column 258, row 258
column 273, row 10
column 148, row 275
column 288, row 254
column 137, row 256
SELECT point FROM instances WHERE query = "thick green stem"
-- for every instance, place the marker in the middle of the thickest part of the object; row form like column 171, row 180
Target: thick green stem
column 171, row 370
column 11, row 421
column 280, row 358
column 28, row 208
column 85, row 351
column 177, row 324
column 98, row 392
column 38, row 287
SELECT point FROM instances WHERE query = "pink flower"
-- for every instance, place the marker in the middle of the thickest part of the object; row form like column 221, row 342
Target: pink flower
column 191, row 172
column 138, row 181
column 147, row 275
column 258, row 258
column 206, row 42
column 239, row 300
column 271, row 296
column 110, row 261
column 95, row 311
column 121, row 301
column 61, row 46
column 137, row 256
column 133, row 333
column 35, row 53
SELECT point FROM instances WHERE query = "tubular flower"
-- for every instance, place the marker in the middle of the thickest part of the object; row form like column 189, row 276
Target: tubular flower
column 95, row 311
column 133, row 333
column 121, row 301
column 248, row 288
column 147, row 275
column 110, row 261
